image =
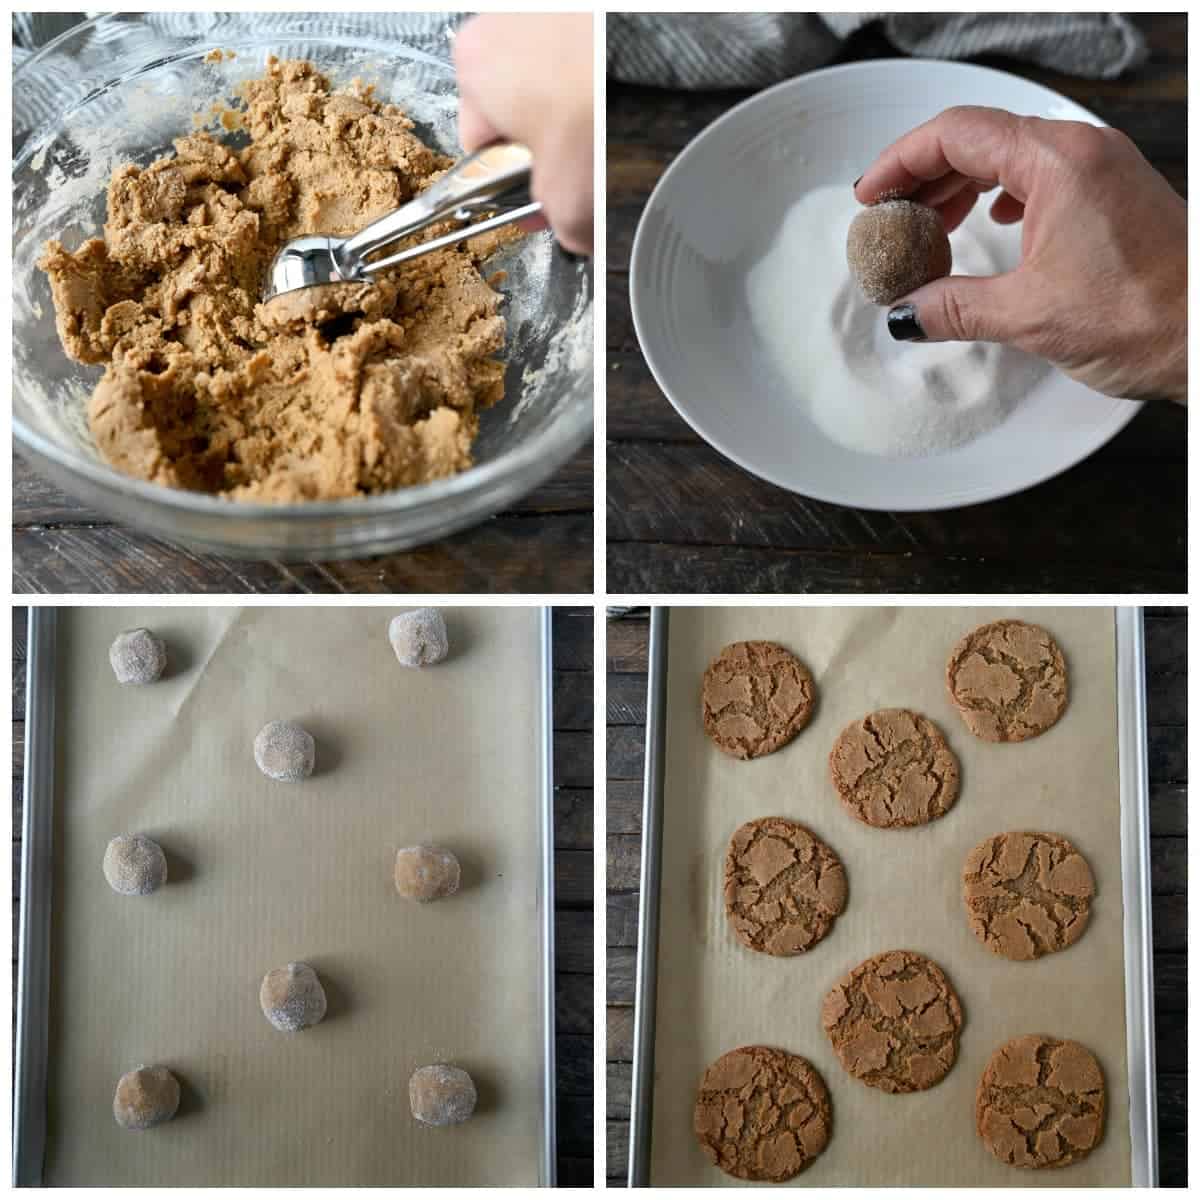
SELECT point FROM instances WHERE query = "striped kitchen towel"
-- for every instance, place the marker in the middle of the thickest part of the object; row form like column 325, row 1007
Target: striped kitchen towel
column 752, row 50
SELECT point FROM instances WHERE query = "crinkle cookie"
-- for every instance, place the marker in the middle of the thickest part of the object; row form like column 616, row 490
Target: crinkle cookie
column 1008, row 681
column 1027, row 894
column 1041, row 1102
column 755, row 698
column 762, row 1114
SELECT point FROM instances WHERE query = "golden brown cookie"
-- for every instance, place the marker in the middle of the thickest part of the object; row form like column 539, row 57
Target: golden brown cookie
column 1008, row 681
column 784, row 887
column 894, row 1022
column 756, row 697
column 893, row 769
column 1040, row 1102
column 762, row 1114
column 1027, row 894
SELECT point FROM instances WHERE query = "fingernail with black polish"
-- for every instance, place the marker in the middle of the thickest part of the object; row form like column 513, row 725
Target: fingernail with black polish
column 569, row 255
column 903, row 325
column 856, row 183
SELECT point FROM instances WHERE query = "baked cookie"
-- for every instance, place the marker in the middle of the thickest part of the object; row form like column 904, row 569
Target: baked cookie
column 1040, row 1102
column 756, row 697
column 1027, row 894
column 784, row 887
column 894, row 1022
column 893, row 769
column 1008, row 681
column 762, row 1114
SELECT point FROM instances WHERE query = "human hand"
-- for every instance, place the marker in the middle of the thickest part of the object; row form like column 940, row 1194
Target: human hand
column 1101, row 288
column 528, row 78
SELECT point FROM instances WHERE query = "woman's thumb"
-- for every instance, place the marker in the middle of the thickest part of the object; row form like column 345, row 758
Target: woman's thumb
column 960, row 308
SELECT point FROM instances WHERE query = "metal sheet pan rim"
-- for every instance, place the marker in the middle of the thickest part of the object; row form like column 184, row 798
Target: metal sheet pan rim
column 1135, row 858
column 31, row 1047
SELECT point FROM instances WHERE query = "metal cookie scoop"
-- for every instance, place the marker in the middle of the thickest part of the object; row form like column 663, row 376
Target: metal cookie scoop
column 494, row 179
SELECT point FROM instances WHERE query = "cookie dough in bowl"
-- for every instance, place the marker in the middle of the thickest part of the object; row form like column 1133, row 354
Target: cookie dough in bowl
column 373, row 421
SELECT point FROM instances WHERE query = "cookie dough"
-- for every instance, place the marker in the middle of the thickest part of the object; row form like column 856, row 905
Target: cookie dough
column 134, row 865
column 1008, row 681
column 292, row 997
column 419, row 637
column 145, row 1097
column 894, row 1022
column 784, row 888
column 893, row 769
column 1040, row 1102
column 762, row 1114
column 137, row 656
column 359, row 389
column 1027, row 894
column 285, row 751
column 755, row 698
column 895, row 247
column 441, row 1095
column 426, row 872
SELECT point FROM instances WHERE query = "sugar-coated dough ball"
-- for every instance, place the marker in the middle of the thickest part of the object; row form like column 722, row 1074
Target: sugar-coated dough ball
column 441, row 1094
column 895, row 247
column 292, row 997
column 134, row 865
column 138, row 656
column 146, row 1097
column 426, row 872
column 419, row 637
column 285, row 751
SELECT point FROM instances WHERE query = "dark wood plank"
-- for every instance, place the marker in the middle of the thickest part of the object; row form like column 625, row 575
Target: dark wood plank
column 622, row 917
column 619, row 1023
column 624, row 806
column 628, row 644
column 626, row 700
column 573, row 879
column 573, row 758
column 504, row 554
column 573, row 638
column 573, row 941
column 573, row 823
column 573, row 995
column 626, row 752
column 572, row 700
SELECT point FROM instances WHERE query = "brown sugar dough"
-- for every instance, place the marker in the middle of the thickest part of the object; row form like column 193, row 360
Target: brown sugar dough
column 441, row 1095
column 357, row 390
column 134, row 865
column 895, row 247
column 1008, row 680
column 755, row 698
column 894, row 769
column 426, row 872
column 762, row 1114
column 1027, row 894
column 292, row 997
column 784, row 888
column 145, row 1097
column 137, row 656
column 1040, row 1102
column 894, row 1022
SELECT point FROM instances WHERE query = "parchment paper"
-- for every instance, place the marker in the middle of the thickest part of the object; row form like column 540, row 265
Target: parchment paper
column 263, row 873
column 905, row 891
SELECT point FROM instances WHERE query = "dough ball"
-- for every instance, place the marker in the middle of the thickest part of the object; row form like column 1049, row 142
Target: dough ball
column 441, row 1094
column 426, row 872
column 419, row 637
column 134, row 865
column 285, row 751
column 895, row 247
column 292, row 997
column 146, row 1097
column 138, row 656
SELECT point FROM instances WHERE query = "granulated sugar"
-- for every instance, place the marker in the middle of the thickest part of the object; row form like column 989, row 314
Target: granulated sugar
column 865, row 391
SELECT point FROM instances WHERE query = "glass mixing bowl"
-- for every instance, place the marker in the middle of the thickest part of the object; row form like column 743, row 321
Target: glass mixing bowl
column 120, row 91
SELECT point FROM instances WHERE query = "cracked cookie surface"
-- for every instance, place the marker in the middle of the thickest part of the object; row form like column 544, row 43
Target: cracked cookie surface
column 893, row 769
column 1008, row 681
column 755, row 698
column 1040, row 1102
column 1027, row 894
column 894, row 1022
column 762, row 1114
column 784, row 887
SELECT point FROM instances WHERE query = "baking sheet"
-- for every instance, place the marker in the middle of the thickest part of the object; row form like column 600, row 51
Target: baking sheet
column 264, row 873
column 905, row 891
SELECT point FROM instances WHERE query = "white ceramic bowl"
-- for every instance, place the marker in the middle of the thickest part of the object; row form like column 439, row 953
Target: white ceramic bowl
column 714, row 214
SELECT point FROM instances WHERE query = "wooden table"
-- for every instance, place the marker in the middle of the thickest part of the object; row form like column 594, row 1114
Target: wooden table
column 572, row 867
column 682, row 518
column 542, row 544
column 1166, row 694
